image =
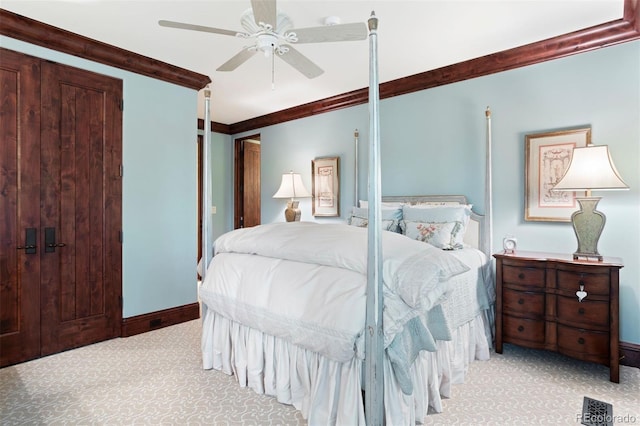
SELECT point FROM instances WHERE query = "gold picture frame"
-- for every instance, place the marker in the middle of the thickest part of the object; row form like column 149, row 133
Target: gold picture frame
column 547, row 157
column 325, row 189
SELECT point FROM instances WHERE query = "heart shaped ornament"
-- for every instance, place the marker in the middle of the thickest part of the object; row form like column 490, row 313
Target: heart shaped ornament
column 581, row 295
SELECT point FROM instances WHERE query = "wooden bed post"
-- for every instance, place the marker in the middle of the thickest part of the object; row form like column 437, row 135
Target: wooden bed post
column 374, row 339
column 206, row 185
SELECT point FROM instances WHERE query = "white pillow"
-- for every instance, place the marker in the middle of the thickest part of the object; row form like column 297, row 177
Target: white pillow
column 387, row 213
column 384, row 204
column 437, row 204
column 431, row 213
column 390, row 218
column 387, row 225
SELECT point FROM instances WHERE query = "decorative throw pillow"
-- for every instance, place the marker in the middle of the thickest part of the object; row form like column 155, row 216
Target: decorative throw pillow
column 441, row 226
column 439, row 234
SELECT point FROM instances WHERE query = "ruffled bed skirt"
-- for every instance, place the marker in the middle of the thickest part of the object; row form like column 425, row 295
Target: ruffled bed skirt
column 328, row 392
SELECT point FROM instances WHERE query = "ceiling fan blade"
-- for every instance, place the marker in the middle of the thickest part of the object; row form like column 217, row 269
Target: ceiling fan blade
column 339, row 32
column 264, row 11
column 301, row 63
column 183, row 26
column 237, row 60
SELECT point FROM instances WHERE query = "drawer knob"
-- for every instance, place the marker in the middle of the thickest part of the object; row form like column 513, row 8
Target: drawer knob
column 520, row 328
column 521, row 276
column 581, row 340
column 520, row 301
column 581, row 311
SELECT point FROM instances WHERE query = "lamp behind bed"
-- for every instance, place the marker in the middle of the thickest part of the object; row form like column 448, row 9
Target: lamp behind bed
column 292, row 187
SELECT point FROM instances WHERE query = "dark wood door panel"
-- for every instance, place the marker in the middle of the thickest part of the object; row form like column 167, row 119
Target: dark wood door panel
column 80, row 203
column 20, row 207
column 246, row 178
column 80, row 195
column 60, row 157
column 251, row 184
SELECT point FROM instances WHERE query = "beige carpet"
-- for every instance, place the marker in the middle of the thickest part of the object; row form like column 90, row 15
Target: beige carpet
column 156, row 379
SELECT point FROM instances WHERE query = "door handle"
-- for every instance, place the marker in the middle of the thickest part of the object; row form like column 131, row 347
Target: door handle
column 30, row 238
column 50, row 240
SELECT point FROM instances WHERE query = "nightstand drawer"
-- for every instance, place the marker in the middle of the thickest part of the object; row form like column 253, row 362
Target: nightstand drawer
column 583, row 344
column 593, row 283
column 524, row 303
column 587, row 314
column 523, row 276
column 523, row 329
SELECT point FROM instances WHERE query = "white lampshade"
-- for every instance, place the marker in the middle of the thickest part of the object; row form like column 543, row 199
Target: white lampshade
column 291, row 186
column 591, row 167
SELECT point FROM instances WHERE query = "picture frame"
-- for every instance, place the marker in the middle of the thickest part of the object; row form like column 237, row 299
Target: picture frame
column 325, row 190
column 547, row 157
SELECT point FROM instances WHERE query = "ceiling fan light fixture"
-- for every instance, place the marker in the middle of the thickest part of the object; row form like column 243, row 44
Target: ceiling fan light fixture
column 267, row 44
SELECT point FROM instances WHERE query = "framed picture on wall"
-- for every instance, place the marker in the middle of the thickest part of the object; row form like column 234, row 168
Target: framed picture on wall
column 325, row 186
column 547, row 158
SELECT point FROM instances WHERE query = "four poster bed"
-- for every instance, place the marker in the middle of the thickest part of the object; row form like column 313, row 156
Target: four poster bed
column 366, row 322
column 284, row 311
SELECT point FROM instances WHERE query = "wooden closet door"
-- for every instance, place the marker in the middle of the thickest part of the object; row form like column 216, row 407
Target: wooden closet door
column 80, row 194
column 19, row 207
column 251, row 184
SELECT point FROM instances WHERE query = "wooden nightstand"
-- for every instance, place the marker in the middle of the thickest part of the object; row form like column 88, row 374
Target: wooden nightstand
column 537, row 305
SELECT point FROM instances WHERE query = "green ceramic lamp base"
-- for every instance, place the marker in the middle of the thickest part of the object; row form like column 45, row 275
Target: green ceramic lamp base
column 588, row 224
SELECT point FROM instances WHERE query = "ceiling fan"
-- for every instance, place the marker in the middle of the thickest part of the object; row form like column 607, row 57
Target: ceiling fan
column 272, row 33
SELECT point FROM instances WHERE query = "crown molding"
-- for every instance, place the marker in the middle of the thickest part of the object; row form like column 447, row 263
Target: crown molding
column 614, row 32
column 215, row 127
column 35, row 32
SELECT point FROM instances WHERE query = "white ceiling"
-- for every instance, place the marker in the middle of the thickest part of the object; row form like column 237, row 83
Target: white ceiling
column 413, row 37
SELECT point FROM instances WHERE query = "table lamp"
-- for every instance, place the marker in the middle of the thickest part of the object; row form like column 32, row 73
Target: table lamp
column 292, row 187
column 591, row 168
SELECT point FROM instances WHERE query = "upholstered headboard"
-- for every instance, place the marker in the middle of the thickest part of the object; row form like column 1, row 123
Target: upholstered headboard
column 475, row 235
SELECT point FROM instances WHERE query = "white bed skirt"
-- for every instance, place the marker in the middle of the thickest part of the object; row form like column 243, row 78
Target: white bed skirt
column 328, row 392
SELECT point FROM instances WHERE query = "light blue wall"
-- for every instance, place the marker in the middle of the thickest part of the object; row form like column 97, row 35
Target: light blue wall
column 159, row 186
column 433, row 142
column 292, row 146
column 159, row 196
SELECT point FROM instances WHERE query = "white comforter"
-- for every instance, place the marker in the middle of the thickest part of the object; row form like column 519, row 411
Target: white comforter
column 306, row 282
